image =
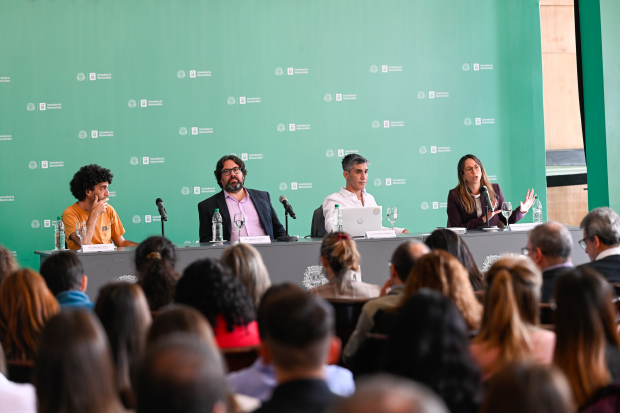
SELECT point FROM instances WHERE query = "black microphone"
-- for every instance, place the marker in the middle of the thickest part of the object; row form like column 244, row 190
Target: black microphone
column 487, row 198
column 162, row 210
column 287, row 206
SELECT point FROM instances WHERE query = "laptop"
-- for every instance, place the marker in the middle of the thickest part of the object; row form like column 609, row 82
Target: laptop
column 357, row 220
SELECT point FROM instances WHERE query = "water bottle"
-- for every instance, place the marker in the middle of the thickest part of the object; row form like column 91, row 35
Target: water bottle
column 537, row 208
column 337, row 219
column 217, row 226
column 60, row 234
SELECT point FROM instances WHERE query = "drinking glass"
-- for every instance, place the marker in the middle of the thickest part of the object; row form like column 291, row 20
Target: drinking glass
column 239, row 220
column 507, row 212
column 392, row 215
column 80, row 230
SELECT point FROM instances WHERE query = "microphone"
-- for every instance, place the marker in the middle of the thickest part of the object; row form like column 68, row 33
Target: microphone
column 487, row 198
column 287, row 207
column 162, row 210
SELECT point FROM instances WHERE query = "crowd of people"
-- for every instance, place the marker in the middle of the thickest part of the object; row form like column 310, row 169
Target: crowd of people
column 438, row 336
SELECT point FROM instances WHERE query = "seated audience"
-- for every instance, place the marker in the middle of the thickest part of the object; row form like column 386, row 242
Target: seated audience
column 403, row 259
column 181, row 374
column 125, row 316
column 14, row 397
column 389, row 394
column 528, row 387
column 155, row 259
column 73, row 369
column 429, row 344
column 550, row 246
column 341, row 262
column 510, row 330
column 7, row 263
column 601, row 240
column 448, row 240
column 223, row 300
column 588, row 345
column 64, row 275
column 244, row 261
column 259, row 380
column 26, row 304
column 299, row 339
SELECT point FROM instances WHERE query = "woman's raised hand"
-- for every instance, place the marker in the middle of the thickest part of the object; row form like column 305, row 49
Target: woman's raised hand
column 529, row 200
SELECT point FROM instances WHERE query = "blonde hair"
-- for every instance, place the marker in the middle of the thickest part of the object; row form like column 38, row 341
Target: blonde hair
column 441, row 271
column 7, row 263
column 511, row 306
column 340, row 252
column 245, row 262
column 462, row 190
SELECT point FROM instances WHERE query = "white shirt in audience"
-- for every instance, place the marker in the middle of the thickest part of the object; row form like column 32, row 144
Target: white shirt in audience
column 17, row 398
column 608, row 252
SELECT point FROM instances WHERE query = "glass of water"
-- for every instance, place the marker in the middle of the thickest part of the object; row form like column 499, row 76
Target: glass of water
column 80, row 230
column 392, row 215
column 239, row 220
column 507, row 212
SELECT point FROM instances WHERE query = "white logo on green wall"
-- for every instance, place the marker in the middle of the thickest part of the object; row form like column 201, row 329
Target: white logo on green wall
column 279, row 71
column 136, row 219
column 327, row 97
column 422, row 149
column 467, row 121
column 181, row 74
column 30, row 107
column 374, row 69
column 81, row 76
column 83, row 134
column 378, row 182
column 35, row 223
column 424, row 205
column 421, row 95
column 183, row 131
column 33, row 165
column 465, row 67
column 329, row 153
column 134, row 160
column 375, row 124
column 185, row 190
column 231, row 100
column 281, row 127
column 132, row 103
column 283, row 186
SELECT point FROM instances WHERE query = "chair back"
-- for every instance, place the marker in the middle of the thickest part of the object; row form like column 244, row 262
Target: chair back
column 20, row 371
column 317, row 228
column 347, row 311
column 238, row 358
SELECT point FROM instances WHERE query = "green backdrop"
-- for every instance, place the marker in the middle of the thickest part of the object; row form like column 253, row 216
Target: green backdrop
column 159, row 90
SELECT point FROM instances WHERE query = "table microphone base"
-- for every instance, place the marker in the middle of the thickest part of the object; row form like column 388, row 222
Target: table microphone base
column 288, row 239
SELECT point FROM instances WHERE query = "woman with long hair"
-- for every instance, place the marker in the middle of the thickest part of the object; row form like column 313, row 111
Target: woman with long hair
column 73, row 369
column 244, row 261
column 155, row 259
column 26, row 304
column 510, row 330
column 448, row 240
column 124, row 314
column 429, row 343
column 341, row 262
column 588, row 345
column 466, row 206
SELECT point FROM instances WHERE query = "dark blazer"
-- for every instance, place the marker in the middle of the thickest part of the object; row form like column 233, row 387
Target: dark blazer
column 458, row 216
column 300, row 396
column 262, row 202
column 549, row 279
column 608, row 267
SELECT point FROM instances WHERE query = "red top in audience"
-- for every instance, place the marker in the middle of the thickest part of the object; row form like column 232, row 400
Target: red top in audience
column 240, row 337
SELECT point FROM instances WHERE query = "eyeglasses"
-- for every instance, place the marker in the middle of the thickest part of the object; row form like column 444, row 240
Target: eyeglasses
column 471, row 169
column 582, row 243
column 227, row 172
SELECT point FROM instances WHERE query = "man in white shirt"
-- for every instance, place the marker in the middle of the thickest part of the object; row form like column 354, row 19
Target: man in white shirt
column 601, row 240
column 355, row 172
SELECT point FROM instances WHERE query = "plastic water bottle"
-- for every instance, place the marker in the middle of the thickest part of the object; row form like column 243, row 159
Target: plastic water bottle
column 217, row 226
column 337, row 219
column 60, row 234
column 537, row 208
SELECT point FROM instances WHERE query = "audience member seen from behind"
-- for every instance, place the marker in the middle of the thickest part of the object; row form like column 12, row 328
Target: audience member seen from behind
column 155, row 260
column 299, row 339
column 26, row 304
column 601, row 241
column 341, row 261
column 550, row 246
column 587, row 348
column 181, row 374
column 429, row 343
column 64, row 275
column 259, row 380
column 510, row 330
column 15, row 397
column 73, row 369
column 403, row 260
column 528, row 387
column 245, row 262
column 448, row 240
column 125, row 316
column 223, row 300
column 7, row 263
column 389, row 394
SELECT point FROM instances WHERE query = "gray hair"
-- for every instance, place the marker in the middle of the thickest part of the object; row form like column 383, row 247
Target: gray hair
column 553, row 239
column 391, row 394
column 353, row 159
column 604, row 223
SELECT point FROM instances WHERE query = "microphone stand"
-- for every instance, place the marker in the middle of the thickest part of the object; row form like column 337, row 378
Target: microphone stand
column 162, row 226
column 288, row 238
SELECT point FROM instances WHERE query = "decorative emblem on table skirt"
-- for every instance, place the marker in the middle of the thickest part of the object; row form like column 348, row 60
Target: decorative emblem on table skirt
column 489, row 261
column 313, row 277
column 128, row 278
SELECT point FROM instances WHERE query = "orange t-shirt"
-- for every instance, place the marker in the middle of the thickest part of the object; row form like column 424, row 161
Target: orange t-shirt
column 108, row 225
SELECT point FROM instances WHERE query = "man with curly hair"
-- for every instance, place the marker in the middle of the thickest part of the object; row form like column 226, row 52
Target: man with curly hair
column 90, row 187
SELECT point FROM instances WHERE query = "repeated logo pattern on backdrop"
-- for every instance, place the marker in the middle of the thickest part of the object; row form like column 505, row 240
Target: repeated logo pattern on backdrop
column 160, row 107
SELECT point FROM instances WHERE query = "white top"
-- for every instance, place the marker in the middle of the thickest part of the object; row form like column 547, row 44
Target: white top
column 608, row 252
column 348, row 199
column 17, row 398
column 478, row 205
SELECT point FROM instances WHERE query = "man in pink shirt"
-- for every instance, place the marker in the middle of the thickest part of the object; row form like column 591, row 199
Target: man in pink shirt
column 260, row 217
